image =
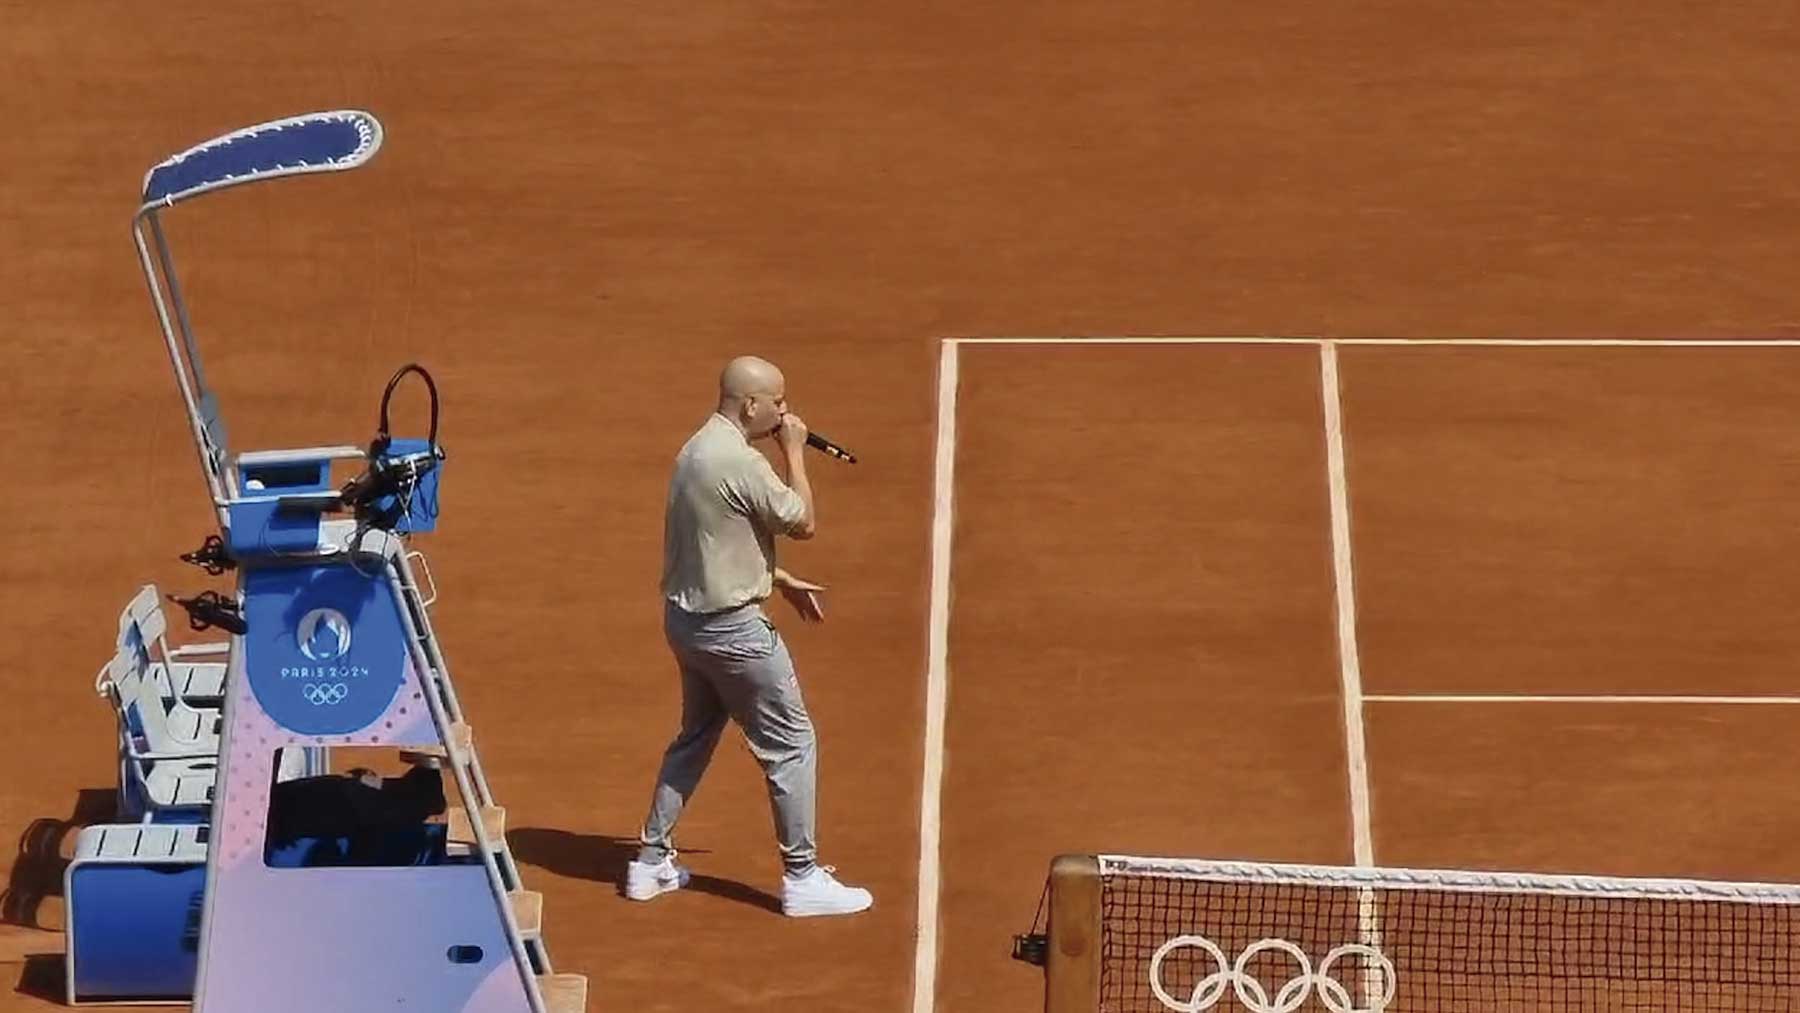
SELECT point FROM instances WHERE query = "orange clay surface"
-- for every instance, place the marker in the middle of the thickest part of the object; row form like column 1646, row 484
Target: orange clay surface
column 583, row 209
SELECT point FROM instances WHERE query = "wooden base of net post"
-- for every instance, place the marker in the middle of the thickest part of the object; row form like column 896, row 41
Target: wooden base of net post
column 1072, row 965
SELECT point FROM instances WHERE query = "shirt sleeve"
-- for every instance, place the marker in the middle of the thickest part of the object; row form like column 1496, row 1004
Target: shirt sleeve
column 759, row 493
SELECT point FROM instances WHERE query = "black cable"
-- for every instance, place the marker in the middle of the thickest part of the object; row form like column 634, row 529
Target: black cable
column 354, row 552
column 383, row 435
column 1033, row 947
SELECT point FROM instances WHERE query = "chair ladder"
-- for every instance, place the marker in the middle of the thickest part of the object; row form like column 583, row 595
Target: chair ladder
column 477, row 820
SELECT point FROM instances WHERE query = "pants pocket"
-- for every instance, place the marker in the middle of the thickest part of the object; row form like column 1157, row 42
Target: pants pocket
column 755, row 643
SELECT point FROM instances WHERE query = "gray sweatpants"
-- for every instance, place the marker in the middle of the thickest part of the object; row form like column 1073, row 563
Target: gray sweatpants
column 734, row 666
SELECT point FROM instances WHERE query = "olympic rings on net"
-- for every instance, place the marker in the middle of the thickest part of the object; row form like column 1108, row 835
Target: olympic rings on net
column 1292, row 994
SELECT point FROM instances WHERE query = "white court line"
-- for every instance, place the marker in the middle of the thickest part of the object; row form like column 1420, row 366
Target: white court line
column 1100, row 340
column 1580, row 342
column 1356, row 753
column 936, row 686
column 1573, row 698
column 1349, row 664
column 1439, row 342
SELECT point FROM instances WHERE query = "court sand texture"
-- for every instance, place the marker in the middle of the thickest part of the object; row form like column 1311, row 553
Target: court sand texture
column 581, row 209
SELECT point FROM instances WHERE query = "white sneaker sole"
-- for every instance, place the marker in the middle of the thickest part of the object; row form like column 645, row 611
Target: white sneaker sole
column 655, row 888
column 817, row 909
column 652, row 893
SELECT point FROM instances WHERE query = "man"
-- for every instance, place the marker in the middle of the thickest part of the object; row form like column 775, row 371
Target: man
column 725, row 508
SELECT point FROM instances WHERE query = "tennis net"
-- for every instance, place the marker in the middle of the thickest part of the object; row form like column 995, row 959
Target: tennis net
column 1149, row 935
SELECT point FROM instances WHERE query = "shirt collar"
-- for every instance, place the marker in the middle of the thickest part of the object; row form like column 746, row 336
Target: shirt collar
column 719, row 419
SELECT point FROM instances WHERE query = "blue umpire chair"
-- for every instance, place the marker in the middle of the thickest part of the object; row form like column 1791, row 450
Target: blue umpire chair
column 242, row 873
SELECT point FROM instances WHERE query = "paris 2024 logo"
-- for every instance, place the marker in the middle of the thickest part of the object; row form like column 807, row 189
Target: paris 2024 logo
column 324, row 637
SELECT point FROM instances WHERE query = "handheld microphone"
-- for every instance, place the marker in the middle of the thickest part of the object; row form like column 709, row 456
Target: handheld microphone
column 820, row 443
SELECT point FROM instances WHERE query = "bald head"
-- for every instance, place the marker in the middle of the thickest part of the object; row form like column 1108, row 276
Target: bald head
column 753, row 394
column 747, row 376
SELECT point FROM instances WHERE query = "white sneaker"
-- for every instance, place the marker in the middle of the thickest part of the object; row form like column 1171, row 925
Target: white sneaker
column 647, row 882
column 819, row 893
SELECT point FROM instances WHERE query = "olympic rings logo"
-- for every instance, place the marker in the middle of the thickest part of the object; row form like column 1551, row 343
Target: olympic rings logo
column 1381, row 979
column 320, row 694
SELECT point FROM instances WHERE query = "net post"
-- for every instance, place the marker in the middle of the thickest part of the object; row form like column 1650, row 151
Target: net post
column 1072, row 965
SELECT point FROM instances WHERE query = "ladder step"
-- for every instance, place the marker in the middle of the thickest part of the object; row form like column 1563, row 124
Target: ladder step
column 564, row 993
column 461, row 736
column 493, row 824
column 528, row 911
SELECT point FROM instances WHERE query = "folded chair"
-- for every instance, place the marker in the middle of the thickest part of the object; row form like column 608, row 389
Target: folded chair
column 168, row 751
column 144, row 627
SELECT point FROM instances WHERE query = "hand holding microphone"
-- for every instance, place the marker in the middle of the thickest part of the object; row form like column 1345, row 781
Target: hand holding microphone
column 793, row 433
column 817, row 442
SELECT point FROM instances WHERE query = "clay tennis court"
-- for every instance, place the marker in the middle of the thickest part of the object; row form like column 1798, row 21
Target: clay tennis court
column 581, row 211
column 1526, row 521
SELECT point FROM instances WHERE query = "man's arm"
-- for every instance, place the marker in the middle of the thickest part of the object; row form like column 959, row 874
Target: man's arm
column 792, row 436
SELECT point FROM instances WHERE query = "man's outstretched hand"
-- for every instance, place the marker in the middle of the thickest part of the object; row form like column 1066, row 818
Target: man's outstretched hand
column 804, row 595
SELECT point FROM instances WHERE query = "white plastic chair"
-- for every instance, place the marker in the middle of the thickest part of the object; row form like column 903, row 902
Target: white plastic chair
column 144, row 627
column 168, row 752
column 169, row 724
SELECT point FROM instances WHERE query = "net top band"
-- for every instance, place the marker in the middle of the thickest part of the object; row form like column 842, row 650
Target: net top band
column 1460, row 881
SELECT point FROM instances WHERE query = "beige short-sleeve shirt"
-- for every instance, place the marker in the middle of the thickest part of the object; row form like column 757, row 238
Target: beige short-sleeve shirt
column 725, row 507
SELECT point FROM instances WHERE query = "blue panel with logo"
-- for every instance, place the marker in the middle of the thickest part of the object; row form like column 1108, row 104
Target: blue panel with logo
column 325, row 652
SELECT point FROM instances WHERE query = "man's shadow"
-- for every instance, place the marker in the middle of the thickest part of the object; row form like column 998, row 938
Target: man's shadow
column 603, row 859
